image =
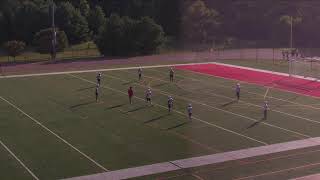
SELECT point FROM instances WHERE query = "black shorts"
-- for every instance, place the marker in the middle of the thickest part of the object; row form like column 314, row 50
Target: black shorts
column 190, row 114
column 148, row 99
column 169, row 106
column 238, row 94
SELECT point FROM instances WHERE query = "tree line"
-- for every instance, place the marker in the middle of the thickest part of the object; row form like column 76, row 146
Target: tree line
column 133, row 27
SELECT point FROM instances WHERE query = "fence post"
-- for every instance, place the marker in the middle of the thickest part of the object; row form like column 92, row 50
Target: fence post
column 273, row 58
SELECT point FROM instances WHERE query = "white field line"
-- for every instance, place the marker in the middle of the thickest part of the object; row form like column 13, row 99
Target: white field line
column 21, row 163
column 222, row 110
column 168, row 65
column 310, row 177
column 274, row 110
column 301, row 94
column 56, row 135
column 181, row 113
column 218, row 84
column 202, row 160
column 95, row 70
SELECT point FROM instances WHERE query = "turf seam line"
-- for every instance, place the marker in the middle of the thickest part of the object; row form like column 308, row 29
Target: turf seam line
column 248, row 103
column 183, row 114
column 96, row 70
column 56, row 135
column 21, row 163
column 225, row 111
column 278, row 171
column 204, row 160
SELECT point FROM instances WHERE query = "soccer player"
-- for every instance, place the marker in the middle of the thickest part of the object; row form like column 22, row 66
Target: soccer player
column 130, row 94
column 140, row 73
column 148, row 96
column 170, row 103
column 99, row 79
column 238, row 91
column 97, row 93
column 171, row 74
column 189, row 110
column 265, row 110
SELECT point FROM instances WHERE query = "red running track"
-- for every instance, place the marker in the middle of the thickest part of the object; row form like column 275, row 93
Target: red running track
column 282, row 82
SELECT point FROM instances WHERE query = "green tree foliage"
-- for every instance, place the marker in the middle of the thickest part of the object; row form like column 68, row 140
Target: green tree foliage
column 29, row 17
column 14, row 48
column 96, row 19
column 125, row 36
column 43, row 40
column 70, row 20
column 84, row 8
column 199, row 22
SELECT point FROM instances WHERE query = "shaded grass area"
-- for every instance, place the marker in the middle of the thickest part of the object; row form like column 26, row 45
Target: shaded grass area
column 119, row 135
column 84, row 50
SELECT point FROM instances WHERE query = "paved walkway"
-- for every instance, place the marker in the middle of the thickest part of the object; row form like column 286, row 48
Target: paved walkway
column 311, row 177
column 201, row 161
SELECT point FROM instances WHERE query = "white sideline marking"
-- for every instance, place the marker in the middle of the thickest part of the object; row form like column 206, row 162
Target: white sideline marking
column 218, row 84
column 56, row 135
column 248, row 103
column 183, row 114
column 201, row 161
column 259, row 70
column 21, row 163
column 218, row 109
column 96, row 70
column 310, row 177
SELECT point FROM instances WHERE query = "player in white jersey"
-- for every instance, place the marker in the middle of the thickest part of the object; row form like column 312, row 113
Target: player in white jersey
column 140, row 73
column 189, row 110
column 171, row 74
column 265, row 110
column 238, row 91
column 99, row 79
column 149, row 96
column 170, row 103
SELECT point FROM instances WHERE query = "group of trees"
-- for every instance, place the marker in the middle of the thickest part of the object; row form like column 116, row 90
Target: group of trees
column 125, row 27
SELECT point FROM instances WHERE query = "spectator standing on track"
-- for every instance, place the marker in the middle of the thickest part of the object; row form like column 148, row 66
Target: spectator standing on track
column 287, row 54
column 171, row 74
column 140, row 73
column 149, row 96
column 238, row 91
column 265, row 110
column 189, row 110
column 97, row 93
column 170, row 103
column 99, row 79
column 130, row 94
column 283, row 55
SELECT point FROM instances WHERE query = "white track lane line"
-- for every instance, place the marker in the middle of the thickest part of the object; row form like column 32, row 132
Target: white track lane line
column 222, row 110
column 218, row 95
column 183, row 114
column 22, row 164
column 56, row 135
column 218, row 84
column 95, row 70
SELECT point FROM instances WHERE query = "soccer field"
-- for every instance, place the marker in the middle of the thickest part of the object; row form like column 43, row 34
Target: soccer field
column 51, row 126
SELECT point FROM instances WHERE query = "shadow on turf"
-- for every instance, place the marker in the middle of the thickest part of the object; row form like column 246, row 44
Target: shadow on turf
column 229, row 103
column 155, row 119
column 83, row 89
column 137, row 109
column 256, row 123
column 177, row 126
column 82, row 104
column 116, row 106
